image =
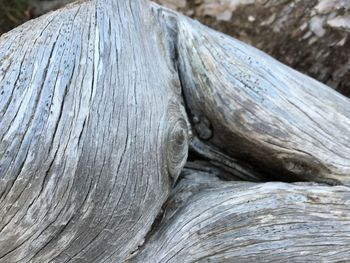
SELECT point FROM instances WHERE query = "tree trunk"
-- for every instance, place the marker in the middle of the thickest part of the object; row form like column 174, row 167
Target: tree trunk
column 311, row 36
column 99, row 104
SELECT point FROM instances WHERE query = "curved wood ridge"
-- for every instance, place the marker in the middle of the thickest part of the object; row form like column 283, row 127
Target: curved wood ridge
column 91, row 131
column 312, row 36
column 260, row 111
column 214, row 221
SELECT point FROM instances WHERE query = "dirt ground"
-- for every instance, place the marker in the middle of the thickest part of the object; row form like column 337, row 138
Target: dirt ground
column 13, row 13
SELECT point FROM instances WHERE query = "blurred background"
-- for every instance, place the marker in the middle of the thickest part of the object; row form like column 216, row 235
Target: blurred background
column 16, row 12
column 13, row 13
column 312, row 36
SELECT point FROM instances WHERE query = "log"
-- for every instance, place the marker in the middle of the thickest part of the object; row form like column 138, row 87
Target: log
column 209, row 220
column 310, row 36
column 99, row 104
column 252, row 107
column 92, row 131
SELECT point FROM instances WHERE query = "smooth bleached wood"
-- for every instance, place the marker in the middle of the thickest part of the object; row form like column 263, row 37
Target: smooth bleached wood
column 92, row 133
column 208, row 220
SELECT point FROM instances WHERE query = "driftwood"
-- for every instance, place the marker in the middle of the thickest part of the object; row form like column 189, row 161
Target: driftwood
column 99, row 104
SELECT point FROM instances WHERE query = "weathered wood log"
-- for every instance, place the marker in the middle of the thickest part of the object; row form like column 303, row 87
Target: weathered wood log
column 92, row 132
column 260, row 111
column 96, row 103
column 208, row 220
column 311, row 36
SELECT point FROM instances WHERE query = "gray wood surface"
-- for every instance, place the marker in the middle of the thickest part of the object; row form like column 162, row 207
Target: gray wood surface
column 99, row 104
column 312, row 36
column 210, row 220
column 256, row 109
column 92, row 133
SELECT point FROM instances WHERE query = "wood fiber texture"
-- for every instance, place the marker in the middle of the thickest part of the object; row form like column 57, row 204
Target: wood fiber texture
column 215, row 221
column 256, row 109
column 92, row 132
column 99, row 104
column 311, row 36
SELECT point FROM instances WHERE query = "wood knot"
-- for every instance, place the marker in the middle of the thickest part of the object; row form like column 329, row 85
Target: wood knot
column 178, row 140
column 203, row 128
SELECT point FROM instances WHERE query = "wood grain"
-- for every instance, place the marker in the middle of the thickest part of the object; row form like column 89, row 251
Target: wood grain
column 208, row 220
column 253, row 108
column 99, row 103
column 310, row 36
column 92, row 133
